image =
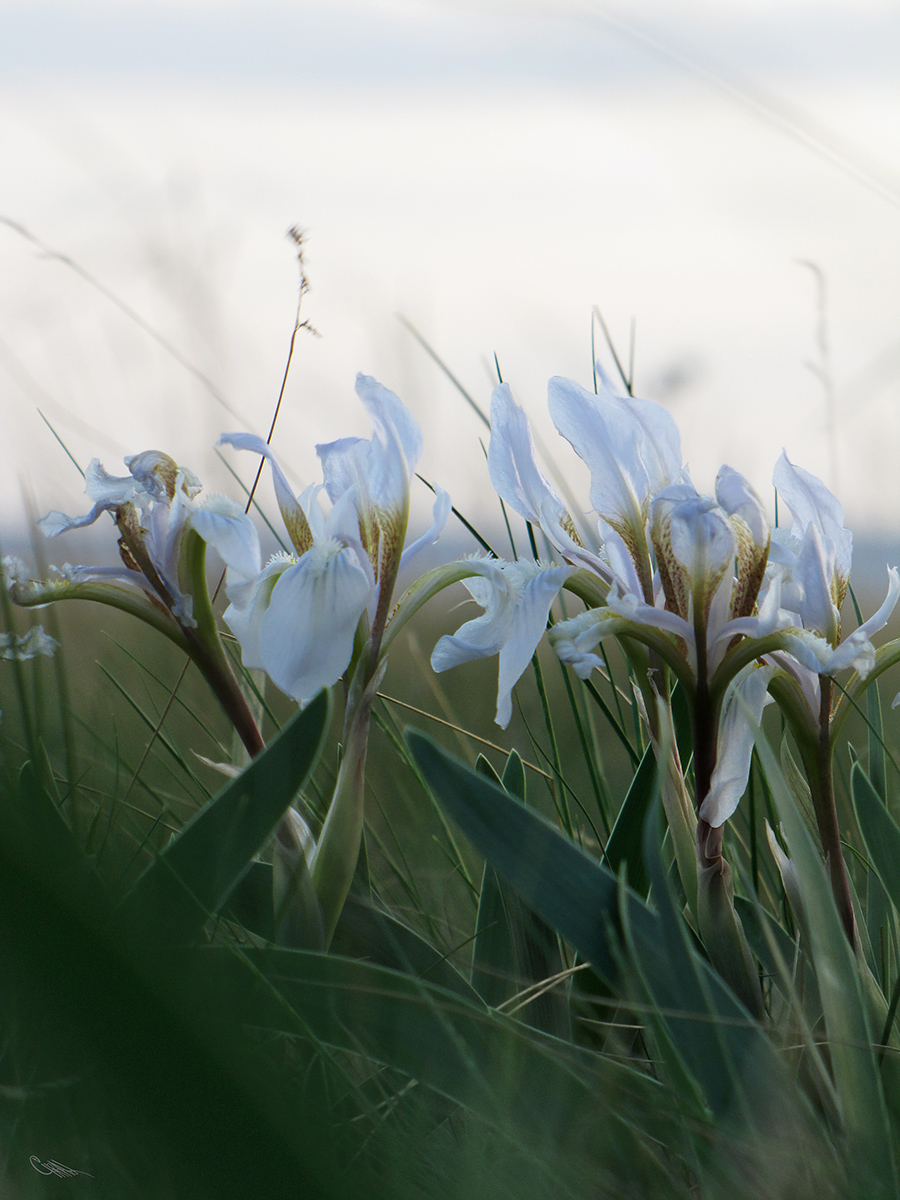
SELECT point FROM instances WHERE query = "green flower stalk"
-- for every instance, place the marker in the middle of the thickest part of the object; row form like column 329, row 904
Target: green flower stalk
column 323, row 610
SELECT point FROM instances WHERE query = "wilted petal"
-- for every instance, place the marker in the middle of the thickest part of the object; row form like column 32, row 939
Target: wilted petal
column 741, row 713
column 108, row 491
column 55, row 523
column 516, row 598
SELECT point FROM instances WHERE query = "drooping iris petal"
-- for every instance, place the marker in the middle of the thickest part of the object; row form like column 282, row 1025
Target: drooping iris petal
column 574, row 639
column 225, row 526
column 516, row 598
column 741, row 713
column 300, row 618
column 249, row 601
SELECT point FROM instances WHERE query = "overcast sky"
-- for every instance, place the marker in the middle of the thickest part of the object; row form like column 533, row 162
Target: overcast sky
column 489, row 174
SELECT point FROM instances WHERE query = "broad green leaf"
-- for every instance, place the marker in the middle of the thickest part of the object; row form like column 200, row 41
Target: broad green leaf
column 516, row 951
column 877, row 767
column 197, row 871
column 863, row 1110
column 559, row 881
column 718, row 1043
column 880, row 832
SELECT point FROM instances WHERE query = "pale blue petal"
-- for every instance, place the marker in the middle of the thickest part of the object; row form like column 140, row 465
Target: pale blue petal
column 306, row 633
column 512, row 463
column 517, row 599
column 741, row 713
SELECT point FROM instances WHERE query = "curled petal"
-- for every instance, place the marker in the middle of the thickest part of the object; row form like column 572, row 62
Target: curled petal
column 515, row 474
column 741, row 713
column 440, row 512
column 292, row 514
column 55, row 523
column 631, row 446
column 811, row 503
column 574, row 640
column 108, row 491
column 856, row 650
column 516, row 598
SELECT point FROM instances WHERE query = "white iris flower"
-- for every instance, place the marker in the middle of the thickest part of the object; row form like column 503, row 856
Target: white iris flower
column 297, row 618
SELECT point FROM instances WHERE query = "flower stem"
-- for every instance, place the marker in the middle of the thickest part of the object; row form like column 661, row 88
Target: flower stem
column 821, row 782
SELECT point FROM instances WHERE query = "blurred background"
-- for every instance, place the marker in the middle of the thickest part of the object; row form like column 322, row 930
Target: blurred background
column 720, row 180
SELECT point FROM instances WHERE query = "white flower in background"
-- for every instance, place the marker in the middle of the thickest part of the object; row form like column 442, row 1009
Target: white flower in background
column 516, row 598
column 631, row 447
column 813, row 558
column 29, row 645
column 297, row 618
column 154, row 506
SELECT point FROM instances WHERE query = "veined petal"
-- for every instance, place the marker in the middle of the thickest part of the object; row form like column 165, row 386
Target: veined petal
column 292, row 514
column 608, row 438
column 741, row 713
column 306, row 633
column 516, row 598
column 695, row 547
column 751, row 529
